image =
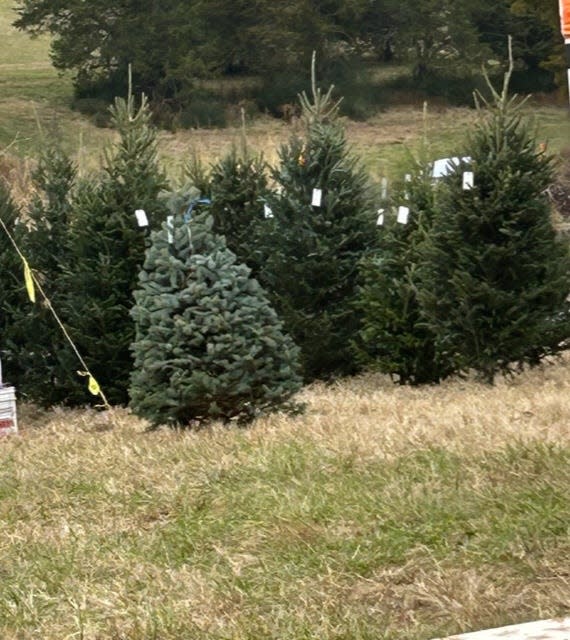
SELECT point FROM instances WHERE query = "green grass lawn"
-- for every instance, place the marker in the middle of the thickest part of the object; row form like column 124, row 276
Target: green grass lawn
column 18, row 48
column 35, row 98
column 384, row 513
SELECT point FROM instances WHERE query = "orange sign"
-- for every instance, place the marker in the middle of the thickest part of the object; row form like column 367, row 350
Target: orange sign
column 565, row 18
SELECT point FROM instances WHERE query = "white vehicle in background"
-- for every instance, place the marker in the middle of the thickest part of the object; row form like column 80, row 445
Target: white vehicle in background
column 444, row 166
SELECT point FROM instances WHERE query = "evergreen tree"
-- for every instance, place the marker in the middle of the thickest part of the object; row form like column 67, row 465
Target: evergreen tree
column 394, row 338
column 208, row 345
column 45, row 355
column 495, row 278
column 238, row 189
column 311, row 249
column 108, row 251
column 12, row 292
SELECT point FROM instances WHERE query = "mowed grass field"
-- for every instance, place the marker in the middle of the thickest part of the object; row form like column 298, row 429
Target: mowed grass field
column 382, row 513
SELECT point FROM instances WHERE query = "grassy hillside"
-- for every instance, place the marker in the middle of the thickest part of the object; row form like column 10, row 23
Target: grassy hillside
column 30, row 88
column 17, row 48
column 385, row 513
column 33, row 97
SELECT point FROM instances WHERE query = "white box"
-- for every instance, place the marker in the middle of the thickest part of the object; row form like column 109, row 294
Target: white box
column 8, row 417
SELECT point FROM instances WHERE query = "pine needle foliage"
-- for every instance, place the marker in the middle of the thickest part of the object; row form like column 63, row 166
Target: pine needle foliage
column 311, row 253
column 496, row 278
column 394, row 338
column 12, row 293
column 238, row 189
column 108, row 249
column 45, row 354
column 208, row 344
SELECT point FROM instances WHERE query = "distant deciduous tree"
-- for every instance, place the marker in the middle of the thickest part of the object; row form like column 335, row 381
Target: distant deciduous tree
column 173, row 42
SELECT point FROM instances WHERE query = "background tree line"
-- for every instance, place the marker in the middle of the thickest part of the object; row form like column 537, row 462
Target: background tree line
column 173, row 45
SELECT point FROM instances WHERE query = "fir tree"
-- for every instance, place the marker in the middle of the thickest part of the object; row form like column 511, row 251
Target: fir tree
column 12, row 292
column 394, row 338
column 312, row 251
column 208, row 345
column 45, row 354
column 495, row 278
column 238, row 189
column 108, row 250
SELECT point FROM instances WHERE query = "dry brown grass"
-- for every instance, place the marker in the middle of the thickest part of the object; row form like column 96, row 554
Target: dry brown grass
column 383, row 143
column 384, row 512
column 16, row 174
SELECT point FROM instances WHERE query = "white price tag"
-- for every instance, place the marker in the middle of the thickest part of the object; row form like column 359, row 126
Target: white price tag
column 403, row 215
column 142, row 219
column 380, row 220
column 317, row 197
column 267, row 211
column 468, row 180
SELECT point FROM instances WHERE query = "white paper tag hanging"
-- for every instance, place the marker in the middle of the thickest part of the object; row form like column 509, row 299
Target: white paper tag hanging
column 170, row 228
column 267, row 211
column 142, row 219
column 380, row 220
column 317, row 197
column 468, row 180
column 403, row 215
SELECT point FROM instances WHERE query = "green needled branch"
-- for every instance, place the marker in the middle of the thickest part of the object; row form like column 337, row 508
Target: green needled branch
column 321, row 108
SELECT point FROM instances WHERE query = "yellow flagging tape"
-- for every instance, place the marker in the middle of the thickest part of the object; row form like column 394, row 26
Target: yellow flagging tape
column 29, row 281
column 92, row 385
column 31, row 284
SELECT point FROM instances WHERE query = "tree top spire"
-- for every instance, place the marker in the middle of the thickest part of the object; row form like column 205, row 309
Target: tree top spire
column 321, row 108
